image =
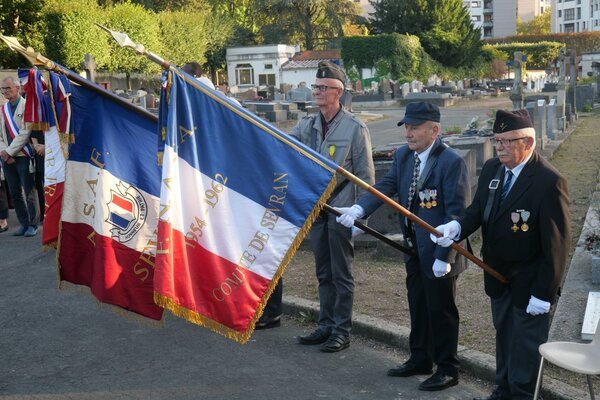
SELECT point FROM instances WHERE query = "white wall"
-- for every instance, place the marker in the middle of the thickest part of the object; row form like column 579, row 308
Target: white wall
column 295, row 76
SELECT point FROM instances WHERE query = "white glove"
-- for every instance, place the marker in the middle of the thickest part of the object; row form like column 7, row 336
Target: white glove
column 450, row 231
column 537, row 306
column 356, row 231
column 440, row 268
column 349, row 214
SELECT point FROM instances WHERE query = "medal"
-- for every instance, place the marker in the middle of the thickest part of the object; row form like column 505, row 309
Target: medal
column 433, row 197
column 427, row 197
column 525, row 216
column 515, row 218
column 422, row 197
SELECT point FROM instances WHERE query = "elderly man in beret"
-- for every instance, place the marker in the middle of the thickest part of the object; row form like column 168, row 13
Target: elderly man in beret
column 522, row 207
column 432, row 182
column 338, row 135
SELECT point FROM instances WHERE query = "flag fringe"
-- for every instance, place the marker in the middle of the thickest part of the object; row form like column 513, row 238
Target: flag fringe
column 242, row 337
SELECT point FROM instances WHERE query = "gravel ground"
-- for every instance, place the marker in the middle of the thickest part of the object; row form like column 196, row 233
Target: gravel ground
column 380, row 289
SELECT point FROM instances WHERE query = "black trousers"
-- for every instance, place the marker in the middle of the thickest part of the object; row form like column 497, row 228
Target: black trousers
column 433, row 319
column 274, row 306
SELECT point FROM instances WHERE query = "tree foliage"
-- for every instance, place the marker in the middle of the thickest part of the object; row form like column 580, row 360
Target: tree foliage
column 539, row 25
column 444, row 27
column 19, row 18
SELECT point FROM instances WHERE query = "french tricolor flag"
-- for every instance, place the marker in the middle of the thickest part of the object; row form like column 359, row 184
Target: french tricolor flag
column 237, row 198
column 111, row 203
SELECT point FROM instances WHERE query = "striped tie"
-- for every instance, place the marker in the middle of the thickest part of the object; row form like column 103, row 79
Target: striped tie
column 506, row 187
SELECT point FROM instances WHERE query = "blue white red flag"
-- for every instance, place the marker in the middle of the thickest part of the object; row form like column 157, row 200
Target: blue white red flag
column 237, row 198
column 111, row 202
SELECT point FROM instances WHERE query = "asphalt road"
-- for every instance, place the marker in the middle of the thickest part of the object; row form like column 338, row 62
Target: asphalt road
column 60, row 344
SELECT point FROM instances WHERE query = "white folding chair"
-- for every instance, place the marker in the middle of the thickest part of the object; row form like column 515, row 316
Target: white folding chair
column 583, row 358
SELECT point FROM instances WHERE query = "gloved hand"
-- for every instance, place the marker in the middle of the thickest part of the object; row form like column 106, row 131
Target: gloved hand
column 537, row 306
column 356, row 231
column 440, row 268
column 450, row 231
column 349, row 214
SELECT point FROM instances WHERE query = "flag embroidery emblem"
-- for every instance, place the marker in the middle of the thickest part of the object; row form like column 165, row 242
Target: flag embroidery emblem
column 127, row 212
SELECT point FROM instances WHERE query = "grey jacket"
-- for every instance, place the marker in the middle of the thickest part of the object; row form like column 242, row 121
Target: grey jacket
column 348, row 144
column 15, row 147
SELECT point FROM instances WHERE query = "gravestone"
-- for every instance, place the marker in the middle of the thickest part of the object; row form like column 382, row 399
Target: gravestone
column 516, row 95
column 540, row 132
column 551, row 122
column 481, row 146
column 591, row 316
column 89, row 66
column 405, row 89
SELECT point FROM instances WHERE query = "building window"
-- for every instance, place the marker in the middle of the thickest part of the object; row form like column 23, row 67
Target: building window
column 569, row 15
column 559, row 13
column 578, row 12
column 268, row 66
column 244, row 74
column 475, row 18
column 475, row 4
column 569, row 28
column 266, row 79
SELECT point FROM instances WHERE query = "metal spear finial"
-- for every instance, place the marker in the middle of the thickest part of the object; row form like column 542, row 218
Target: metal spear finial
column 35, row 58
column 124, row 41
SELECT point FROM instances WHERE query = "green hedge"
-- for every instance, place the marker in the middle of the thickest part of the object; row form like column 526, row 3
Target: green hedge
column 539, row 55
column 581, row 42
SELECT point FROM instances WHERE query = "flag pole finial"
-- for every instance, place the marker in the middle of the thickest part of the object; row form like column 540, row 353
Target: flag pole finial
column 34, row 57
column 125, row 41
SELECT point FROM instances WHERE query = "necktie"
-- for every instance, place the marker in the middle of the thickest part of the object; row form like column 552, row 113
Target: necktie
column 506, row 187
column 413, row 184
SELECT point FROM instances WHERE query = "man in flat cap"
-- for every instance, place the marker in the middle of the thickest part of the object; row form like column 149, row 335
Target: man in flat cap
column 340, row 136
column 522, row 207
column 432, row 182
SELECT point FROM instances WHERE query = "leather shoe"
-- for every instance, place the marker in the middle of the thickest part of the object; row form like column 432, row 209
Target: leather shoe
column 268, row 323
column 438, row 381
column 335, row 343
column 409, row 369
column 497, row 394
column 4, row 228
column 317, row 337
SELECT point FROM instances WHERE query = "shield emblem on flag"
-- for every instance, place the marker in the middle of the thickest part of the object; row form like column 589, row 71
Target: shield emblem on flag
column 126, row 212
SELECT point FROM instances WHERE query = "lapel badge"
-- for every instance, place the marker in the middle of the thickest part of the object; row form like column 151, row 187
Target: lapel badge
column 331, row 150
column 515, row 217
column 525, row 216
column 434, row 197
column 422, row 197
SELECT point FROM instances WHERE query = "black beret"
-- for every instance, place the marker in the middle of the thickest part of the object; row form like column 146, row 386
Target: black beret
column 418, row 112
column 511, row 120
column 327, row 69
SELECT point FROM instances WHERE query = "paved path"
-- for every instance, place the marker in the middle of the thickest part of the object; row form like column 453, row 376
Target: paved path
column 61, row 345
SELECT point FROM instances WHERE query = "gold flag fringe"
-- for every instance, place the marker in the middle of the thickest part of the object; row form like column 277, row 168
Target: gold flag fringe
column 242, row 337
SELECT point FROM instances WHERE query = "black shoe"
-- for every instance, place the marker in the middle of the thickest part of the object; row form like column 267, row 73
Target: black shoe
column 497, row 394
column 409, row 369
column 335, row 343
column 268, row 323
column 438, row 381
column 4, row 228
column 317, row 337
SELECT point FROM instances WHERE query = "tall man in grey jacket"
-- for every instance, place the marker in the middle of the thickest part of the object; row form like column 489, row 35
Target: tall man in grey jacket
column 337, row 134
column 432, row 182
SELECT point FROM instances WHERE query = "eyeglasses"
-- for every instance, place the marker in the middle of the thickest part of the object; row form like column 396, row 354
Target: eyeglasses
column 323, row 88
column 506, row 142
column 4, row 89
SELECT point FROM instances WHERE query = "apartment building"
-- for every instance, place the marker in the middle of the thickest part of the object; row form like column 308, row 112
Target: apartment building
column 575, row 16
column 498, row 18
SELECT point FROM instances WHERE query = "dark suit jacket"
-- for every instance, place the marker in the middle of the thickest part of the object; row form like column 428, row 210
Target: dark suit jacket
column 448, row 175
column 533, row 260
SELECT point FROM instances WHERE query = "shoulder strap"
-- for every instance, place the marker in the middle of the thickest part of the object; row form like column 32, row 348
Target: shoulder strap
column 430, row 162
column 493, row 186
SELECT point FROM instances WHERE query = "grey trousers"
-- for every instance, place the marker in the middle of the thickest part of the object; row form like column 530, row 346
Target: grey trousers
column 333, row 249
column 518, row 337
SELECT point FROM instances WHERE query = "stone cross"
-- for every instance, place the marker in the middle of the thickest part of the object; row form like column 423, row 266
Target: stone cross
column 89, row 66
column 517, row 90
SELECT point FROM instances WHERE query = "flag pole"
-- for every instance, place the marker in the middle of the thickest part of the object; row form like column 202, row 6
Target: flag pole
column 124, row 41
column 38, row 60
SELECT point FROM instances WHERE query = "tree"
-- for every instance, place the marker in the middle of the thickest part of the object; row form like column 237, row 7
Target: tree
column 19, row 18
column 444, row 27
column 539, row 25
